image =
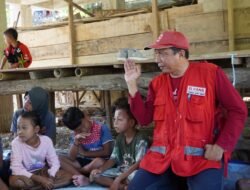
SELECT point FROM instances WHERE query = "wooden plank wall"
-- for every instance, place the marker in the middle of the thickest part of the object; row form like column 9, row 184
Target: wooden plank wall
column 204, row 24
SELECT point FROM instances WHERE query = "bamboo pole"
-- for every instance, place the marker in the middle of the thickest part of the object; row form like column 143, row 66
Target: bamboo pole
column 230, row 14
column 59, row 73
column 155, row 19
column 13, row 76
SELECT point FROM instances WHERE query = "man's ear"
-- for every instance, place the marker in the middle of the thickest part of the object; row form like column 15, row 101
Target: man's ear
column 132, row 122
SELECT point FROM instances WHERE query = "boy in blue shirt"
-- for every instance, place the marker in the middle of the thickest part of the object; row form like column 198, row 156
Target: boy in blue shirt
column 92, row 145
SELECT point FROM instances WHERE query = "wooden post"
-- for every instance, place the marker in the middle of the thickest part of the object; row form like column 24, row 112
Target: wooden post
column 26, row 16
column 77, row 99
column 230, row 14
column 71, row 32
column 6, row 102
column 155, row 19
column 19, row 100
column 108, row 109
column 52, row 106
column 3, row 24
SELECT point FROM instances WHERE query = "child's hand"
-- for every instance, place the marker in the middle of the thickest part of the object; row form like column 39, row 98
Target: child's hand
column 47, row 183
column 94, row 174
column 80, row 137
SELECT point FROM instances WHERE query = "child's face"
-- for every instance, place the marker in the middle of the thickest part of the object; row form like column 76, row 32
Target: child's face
column 122, row 121
column 27, row 104
column 7, row 40
column 84, row 127
column 25, row 129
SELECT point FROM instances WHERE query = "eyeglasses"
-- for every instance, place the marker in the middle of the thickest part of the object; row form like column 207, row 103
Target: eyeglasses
column 163, row 54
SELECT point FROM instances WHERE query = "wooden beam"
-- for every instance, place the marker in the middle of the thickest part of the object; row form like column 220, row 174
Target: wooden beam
column 3, row 23
column 231, row 33
column 52, row 106
column 81, row 9
column 32, row 2
column 19, row 100
column 96, row 96
column 92, row 47
column 100, row 82
column 82, row 95
column 71, row 32
column 108, row 109
column 77, row 99
column 155, row 20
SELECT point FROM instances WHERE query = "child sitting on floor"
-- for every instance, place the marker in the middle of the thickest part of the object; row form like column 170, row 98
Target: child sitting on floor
column 93, row 143
column 34, row 162
column 2, row 184
column 129, row 149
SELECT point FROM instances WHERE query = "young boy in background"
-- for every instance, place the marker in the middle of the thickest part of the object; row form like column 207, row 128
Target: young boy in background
column 2, row 184
column 92, row 144
column 129, row 149
column 16, row 53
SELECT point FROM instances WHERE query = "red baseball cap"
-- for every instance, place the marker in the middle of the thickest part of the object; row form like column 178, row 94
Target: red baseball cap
column 170, row 39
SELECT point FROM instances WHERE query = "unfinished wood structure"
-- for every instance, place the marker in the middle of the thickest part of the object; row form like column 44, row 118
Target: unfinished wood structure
column 208, row 25
column 80, row 54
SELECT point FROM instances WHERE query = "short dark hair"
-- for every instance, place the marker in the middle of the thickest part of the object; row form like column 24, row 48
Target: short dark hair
column 33, row 116
column 177, row 50
column 122, row 104
column 11, row 32
column 72, row 117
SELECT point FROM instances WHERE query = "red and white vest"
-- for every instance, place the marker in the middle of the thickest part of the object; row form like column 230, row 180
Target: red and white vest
column 182, row 131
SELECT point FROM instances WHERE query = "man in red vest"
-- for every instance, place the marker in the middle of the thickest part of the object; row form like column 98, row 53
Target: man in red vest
column 183, row 102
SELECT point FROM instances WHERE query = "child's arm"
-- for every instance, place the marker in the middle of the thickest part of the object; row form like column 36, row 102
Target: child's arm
column 105, row 152
column 73, row 151
column 107, row 143
column 125, row 175
column 17, row 160
column 108, row 164
column 3, row 62
column 51, row 157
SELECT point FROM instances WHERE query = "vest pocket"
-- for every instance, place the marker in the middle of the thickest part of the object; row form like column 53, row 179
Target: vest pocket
column 195, row 111
column 159, row 109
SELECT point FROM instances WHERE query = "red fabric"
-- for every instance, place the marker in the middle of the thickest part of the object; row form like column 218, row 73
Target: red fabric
column 184, row 123
column 226, row 96
column 24, row 51
column 95, row 134
column 26, row 54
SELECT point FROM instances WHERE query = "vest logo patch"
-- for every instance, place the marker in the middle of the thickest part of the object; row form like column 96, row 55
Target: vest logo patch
column 195, row 90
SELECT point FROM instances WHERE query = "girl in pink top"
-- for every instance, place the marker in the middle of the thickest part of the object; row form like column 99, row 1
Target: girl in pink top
column 33, row 159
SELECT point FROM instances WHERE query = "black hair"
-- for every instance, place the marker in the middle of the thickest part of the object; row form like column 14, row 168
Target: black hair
column 33, row 116
column 72, row 117
column 11, row 32
column 122, row 104
column 177, row 50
